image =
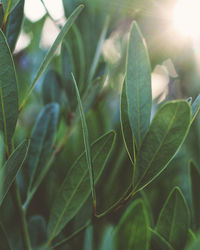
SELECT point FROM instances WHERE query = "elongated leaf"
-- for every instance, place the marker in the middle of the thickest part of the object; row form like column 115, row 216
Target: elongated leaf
column 138, row 85
column 75, row 188
column 4, row 239
column 52, row 50
column 86, row 142
column 14, row 24
column 125, row 125
column 51, row 89
column 13, row 4
column 173, row 221
column 132, row 231
column 41, row 141
column 158, row 242
column 195, row 186
column 165, row 136
column 8, row 91
column 10, row 169
column 195, row 107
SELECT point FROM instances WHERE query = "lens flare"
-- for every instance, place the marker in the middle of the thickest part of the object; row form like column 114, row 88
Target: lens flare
column 186, row 17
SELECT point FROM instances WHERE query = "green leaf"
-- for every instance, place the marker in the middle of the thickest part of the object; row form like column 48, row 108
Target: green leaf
column 41, row 142
column 125, row 125
column 4, row 239
column 75, row 188
column 132, row 231
column 8, row 92
column 52, row 50
column 51, row 89
column 195, row 186
column 86, row 143
column 195, row 107
column 14, row 23
column 67, row 68
column 164, row 137
column 138, row 85
column 13, row 4
column 173, row 220
column 158, row 242
column 10, row 169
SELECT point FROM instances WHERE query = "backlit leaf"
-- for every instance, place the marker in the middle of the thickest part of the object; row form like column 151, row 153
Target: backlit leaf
column 164, row 137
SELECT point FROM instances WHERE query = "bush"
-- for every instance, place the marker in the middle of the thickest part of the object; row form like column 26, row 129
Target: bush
column 89, row 174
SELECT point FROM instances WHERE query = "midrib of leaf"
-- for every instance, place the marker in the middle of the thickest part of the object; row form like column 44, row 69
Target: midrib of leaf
column 66, row 207
column 37, row 160
column 173, row 221
column 157, row 151
column 4, row 120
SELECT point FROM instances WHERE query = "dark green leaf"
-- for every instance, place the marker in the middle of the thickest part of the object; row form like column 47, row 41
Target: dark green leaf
column 14, row 24
column 41, row 141
column 75, row 188
column 4, row 243
column 195, row 186
column 10, row 169
column 173, row 220
column 8, row 91
column 138, row 85
column 165, row 136
column 51, row 89
column 125, row 125
column 132, row 231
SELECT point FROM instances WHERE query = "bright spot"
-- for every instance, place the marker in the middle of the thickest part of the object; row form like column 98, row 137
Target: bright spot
column 55, row 8
column 22, row 42
column 34, row 10
column 186, row 17
column 49, row 34
column 160, row 80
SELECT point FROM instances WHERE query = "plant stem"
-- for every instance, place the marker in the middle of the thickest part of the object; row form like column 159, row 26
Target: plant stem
column 21, row 214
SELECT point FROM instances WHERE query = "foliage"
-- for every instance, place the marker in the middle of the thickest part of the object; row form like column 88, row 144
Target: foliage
column 89, row 160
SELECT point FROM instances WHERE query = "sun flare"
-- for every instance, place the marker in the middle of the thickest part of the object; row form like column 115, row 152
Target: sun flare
column 186, row 17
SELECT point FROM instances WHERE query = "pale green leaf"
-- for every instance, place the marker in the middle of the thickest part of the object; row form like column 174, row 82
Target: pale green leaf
column 86, row 142
column 138, row 85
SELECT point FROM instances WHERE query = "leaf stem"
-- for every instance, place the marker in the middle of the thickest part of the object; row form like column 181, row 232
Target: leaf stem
column 21, row 214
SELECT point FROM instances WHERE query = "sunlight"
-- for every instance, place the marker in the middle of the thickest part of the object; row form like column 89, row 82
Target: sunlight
column 186, row 17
